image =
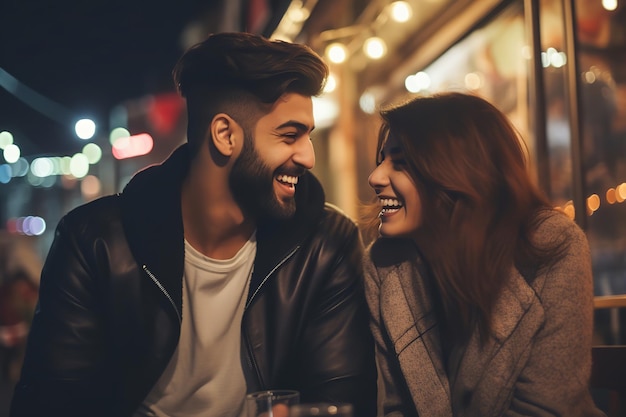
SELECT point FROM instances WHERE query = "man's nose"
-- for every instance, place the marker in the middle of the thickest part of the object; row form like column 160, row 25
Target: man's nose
column 304, row 153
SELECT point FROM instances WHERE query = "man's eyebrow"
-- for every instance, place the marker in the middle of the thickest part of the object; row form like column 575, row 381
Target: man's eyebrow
column 298, row 125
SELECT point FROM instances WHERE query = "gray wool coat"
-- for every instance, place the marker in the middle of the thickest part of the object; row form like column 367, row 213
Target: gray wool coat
column 537, row 361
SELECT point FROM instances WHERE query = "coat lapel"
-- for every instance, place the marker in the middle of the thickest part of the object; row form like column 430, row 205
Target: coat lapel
column 413, row 328
column 487, row 373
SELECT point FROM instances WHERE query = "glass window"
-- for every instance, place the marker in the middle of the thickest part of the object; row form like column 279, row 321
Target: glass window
column 492, row 61
column 602, row 62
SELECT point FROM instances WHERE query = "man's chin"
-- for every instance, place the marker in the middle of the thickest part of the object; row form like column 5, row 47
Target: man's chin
column 282, row 209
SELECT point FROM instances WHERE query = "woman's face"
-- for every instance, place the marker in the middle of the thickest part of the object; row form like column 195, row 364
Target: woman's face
column 401, row 206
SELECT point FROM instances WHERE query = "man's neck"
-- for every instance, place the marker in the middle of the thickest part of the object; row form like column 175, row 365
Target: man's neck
column 213, row 222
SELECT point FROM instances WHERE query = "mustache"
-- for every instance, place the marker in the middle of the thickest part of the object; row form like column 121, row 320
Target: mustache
column 291, row 171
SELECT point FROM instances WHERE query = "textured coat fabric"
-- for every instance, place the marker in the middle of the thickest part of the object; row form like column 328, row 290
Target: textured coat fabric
column 110, row 304
column 537, row 361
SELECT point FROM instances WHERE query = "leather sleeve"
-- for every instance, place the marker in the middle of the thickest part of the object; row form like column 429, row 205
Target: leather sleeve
column 64, row 362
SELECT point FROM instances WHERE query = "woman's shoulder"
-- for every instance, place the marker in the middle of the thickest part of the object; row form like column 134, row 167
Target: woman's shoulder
column 554, row 225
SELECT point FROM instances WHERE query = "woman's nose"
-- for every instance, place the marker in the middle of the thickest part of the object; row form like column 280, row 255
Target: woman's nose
column 377, row 178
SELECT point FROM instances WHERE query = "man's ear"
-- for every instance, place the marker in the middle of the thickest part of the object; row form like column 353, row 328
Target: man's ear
column 224, row 134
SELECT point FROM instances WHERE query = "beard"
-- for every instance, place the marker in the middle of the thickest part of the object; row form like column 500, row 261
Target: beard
column 252, row 184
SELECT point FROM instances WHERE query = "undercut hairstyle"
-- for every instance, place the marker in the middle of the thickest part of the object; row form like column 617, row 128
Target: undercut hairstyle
column 242, row 74
column 480, row 204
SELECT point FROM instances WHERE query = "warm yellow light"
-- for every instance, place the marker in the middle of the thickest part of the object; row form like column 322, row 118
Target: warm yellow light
column 621, row 192
column 610, row 196
column 569, row 210
column 473, row 81
column 331, row 84
column 593, row 202
column 375, row 47
column 336, row 52
column 609, row 5
column 90, row 187
column 401, row 11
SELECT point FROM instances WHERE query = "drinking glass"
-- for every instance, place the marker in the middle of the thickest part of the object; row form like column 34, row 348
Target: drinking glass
column 271, row 403
column 322, row 410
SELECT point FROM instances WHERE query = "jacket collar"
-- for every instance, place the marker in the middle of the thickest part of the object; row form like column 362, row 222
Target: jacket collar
column 518, row 315
column 152, row 219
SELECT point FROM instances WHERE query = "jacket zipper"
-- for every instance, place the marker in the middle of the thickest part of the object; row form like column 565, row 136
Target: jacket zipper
column 163, row 290
column 250, row 357
column 289, row 255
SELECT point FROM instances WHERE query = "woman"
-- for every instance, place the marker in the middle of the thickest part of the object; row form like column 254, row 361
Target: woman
column 480, row 292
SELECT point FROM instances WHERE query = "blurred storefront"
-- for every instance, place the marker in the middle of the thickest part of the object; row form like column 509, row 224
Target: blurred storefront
column 557, row 68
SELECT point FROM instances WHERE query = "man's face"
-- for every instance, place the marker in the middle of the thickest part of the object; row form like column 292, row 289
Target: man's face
column 265, row 175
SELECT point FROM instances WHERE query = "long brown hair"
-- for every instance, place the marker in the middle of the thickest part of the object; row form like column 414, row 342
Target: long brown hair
column 480, row 206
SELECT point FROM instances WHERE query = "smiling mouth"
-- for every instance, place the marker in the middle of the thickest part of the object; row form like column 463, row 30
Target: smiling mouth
column 289, row 181
column 389, row 206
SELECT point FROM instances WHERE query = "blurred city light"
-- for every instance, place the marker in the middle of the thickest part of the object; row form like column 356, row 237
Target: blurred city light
column 336, row 52
column 93, row 153
column 5, row 174
column 79, row 165
column 331, row 84
column 553, row 58
column 11, row 153
column 325, row 111
column 473, row 81
column 129, row 147
column 401, row 11
column 367, row 103
column 609, row 5
column 417, row 82
column 42, row 167
column 375, row 47
column 85, row 128
column 19, row 168
column 118, row 132
column 90, row 187
column 6, row 139
column 28, row 225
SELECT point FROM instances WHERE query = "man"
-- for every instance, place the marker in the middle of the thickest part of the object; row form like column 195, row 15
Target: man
column 219, row 272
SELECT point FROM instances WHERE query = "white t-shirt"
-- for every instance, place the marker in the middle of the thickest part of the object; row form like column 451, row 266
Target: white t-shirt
column 204, row 376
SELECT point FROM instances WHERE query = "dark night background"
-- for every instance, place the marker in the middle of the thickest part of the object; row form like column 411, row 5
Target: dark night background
column 87, row 56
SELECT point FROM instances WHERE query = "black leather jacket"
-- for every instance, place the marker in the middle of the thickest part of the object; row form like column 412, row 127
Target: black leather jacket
column 109, row 311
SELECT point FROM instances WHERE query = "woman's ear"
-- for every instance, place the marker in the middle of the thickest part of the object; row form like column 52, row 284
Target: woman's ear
column 224, row 134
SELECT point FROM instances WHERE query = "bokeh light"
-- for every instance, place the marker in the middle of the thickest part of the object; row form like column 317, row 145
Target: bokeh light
column 6, row 139
column 85, row 128
column 11, row 153
column 93, row 153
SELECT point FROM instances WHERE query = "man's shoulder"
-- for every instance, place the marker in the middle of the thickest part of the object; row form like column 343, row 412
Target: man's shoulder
column 100, row 205
column 335, row 218
column 99, row 214
column 333, row 210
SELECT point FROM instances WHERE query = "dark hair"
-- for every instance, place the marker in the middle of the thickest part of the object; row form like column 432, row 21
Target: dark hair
column 480, row 205
column 237, row 73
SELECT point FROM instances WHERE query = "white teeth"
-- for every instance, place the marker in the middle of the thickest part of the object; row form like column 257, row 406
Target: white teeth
column 287, row 179
column 389, row 210
column 390, row 203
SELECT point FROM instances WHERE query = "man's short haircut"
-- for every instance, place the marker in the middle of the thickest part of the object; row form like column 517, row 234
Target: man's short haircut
column 237, row 73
